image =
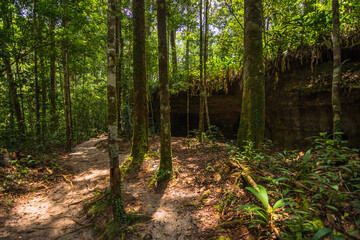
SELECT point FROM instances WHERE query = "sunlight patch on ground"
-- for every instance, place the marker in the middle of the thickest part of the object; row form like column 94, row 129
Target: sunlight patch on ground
column 94, row 174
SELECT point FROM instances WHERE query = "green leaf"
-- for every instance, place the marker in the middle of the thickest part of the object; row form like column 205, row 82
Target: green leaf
column 331, row 207
column 262, row 195
column 321, row 233
column 336, row 187
column 278, row 204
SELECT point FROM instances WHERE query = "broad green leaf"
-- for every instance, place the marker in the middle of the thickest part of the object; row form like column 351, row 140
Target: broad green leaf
column 321, row 233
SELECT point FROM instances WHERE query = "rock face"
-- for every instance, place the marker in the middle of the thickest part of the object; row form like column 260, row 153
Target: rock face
column 298, row 106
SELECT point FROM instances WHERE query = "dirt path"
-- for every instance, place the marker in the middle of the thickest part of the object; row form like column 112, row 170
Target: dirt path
column 57, row 212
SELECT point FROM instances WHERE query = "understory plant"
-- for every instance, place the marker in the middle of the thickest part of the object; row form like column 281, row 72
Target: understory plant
column 323, row 182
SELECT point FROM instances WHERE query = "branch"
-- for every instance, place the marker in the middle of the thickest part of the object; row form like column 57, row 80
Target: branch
column 232, row 13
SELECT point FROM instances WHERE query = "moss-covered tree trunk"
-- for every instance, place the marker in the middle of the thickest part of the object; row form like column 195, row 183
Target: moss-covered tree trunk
column 202, row 87
column 336, row 102
column 115, row 178
column 119, row 57
column 165, row 126
column 140, row 139
column 252, row 119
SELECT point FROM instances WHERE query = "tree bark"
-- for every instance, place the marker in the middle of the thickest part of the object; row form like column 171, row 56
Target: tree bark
column 165, row 125
column 202, row 94
column 115, row 177
column 252, row 119
column 52, row 94
column 188, row 87
column 67, row 106
column 336, row 101
column 173, row 51
column 205, row 61
column 119, row 56
column 140, row 139
column 37, row 88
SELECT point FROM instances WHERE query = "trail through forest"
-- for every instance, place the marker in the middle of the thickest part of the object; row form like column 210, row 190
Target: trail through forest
column 173, row 211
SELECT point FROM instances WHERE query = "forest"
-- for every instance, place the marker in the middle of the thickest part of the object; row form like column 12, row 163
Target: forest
column 179, row 119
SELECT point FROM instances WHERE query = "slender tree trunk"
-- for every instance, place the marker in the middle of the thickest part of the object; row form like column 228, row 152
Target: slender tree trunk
column 336, row 101
column 37, row 88
column 52, row 94
column 115, row 175
column 187, row 52
column 165, row 125
column 173, row 51
column 252, row 119
column 119, row 56
column 43, row 99
column 202, row 93
column 205, row 61
column 67, row 106
column 140, row 139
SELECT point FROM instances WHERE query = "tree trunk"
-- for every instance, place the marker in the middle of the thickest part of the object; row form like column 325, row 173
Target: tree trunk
column 140, row 139
column 336, row 102
column 52, row 94
column 188, row 87
column 119, row 56
column 37, row 88
column 202, row 93
column 43, row 99
column 67, row 106
column 165, row 125
column 115, row 177
column 252, row 119
column 173, row 51
column 205, row 60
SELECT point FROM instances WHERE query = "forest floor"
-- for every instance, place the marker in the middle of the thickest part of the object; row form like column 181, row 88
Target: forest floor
column 190, row 206
column 309, row 195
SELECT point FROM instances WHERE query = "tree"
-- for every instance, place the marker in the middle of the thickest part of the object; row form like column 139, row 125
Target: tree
column 173, row 51
column 140, row 139
column 165, row 126
column 336, row 103
column 202, row 87
column 37, row 88
column 119, row 59
column 115, row 177
column 67, row 106
column 252, row 119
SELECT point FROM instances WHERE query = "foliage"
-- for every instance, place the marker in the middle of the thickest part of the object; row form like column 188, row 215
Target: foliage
column 323, row 181
column 265, row 215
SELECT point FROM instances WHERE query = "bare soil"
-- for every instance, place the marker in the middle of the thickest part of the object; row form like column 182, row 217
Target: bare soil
column 202, row 194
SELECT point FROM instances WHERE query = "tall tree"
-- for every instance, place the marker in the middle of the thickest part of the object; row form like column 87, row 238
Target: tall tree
column 252, row 119
column 67, row 106
column 206, row 36
column 115, row 178
column 119, row 58
column 202, row 87
column 336, row 102
column 165, row 125
column 140, row 139
column 52, row 94
column 173, row 51
column 36, row 75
